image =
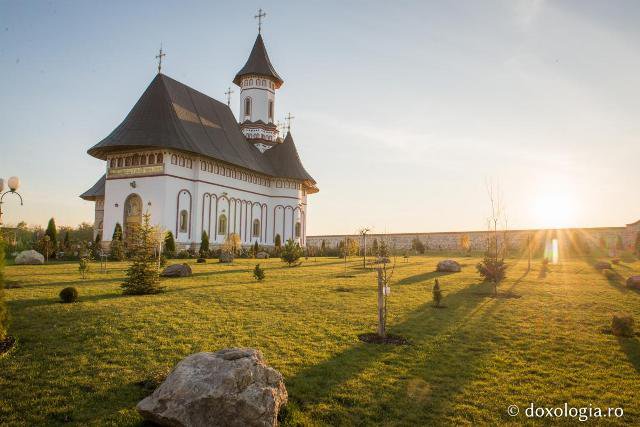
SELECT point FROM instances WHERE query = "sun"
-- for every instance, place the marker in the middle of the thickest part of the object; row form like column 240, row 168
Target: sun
column 554, row 210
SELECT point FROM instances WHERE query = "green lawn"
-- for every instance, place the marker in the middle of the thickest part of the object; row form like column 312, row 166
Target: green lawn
column 83, row 363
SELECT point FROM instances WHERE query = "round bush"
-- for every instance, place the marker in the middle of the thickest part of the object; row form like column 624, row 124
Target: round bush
column 622, row 325
column 69, row 294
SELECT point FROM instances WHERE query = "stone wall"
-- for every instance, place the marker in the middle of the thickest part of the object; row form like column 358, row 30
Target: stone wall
column 602, row 237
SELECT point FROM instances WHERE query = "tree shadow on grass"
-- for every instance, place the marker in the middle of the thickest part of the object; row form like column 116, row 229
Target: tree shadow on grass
column 631, row 347
column 421, row 277
column 76, row 282
column 454, row 362
column 615, row 279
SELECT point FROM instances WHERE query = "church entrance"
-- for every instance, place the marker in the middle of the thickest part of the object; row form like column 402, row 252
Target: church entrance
column 132, row 214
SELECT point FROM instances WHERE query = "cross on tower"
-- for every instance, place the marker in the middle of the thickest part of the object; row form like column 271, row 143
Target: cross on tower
column 159, row 58
column 288, row 119
column 228, row 93
column 259, row 17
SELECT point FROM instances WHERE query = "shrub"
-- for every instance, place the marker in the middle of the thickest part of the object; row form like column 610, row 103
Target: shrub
column 437, row 294
column 169, row 244
column 143, row 276
column 622, row 325
column 204, row 245
column 492, row 268
column 291, row 252
column 117, row 232
column 232, row 244
column 83, row 267
column 277, row 243
column 183, row 254
column 256, row 249
column 69, row 294
column 4, row 314
column 52, row 232
column 416, row 245
column 258, row 273
column 116, row 248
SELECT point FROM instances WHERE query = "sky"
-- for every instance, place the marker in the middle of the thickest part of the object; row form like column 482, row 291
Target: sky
column 404, row 111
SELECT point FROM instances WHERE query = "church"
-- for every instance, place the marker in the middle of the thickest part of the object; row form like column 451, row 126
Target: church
column 182, row 156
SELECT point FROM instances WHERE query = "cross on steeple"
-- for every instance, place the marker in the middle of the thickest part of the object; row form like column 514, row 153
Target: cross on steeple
column 288, row 119
column 261, row 14
column 159, row 58
column 228, row 93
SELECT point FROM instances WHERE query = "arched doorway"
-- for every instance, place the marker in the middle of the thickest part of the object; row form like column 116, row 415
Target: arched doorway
column 132, row 214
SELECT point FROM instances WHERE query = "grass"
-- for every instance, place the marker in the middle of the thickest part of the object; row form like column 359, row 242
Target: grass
column 83, row 363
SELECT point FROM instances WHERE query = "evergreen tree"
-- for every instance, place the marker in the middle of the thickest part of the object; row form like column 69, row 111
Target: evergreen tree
column 323, row 247
column 117, row 232
column 116, row 249
column 97, row 247
column 169, row 244
column 52, row 232
column 4, row 314
column 291, row 252
column 258, row 273
column 67, row 242
column 143, row 276
column 277, row 243
column 204, row 245
column 256, row 249
column 374, row 247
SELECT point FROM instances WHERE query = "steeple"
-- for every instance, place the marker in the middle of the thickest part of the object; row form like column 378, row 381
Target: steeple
column 258, row 82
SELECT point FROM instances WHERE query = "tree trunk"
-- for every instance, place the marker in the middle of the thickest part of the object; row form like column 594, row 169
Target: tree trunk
column 381, row 318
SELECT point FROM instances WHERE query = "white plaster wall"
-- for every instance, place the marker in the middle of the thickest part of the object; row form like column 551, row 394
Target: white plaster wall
column 260, row 97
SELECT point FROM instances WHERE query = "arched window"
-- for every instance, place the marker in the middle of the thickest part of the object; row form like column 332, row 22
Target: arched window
column 152, row 159
column 256, row 228
column 270, row 110
column 136, row 160
column 174, row 159
column 143, row 160
column 159, row 158
column 127, row 161
column 119, row 162
column 298, row 230
column 181, row 163
column 184, row 221
column 222, row 224
column 113, row 163
column 247, row 106
column 264, row 82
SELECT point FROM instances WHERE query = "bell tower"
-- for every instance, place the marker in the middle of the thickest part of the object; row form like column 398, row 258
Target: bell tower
column 258, row 82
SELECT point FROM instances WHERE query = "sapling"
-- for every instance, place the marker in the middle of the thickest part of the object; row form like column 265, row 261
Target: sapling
column 258, row 273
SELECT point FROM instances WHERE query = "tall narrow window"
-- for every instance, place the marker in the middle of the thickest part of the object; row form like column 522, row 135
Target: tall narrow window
column 298, row 230
column 256, row 228
column 270, row 110
column 222, row 224
column 184, row 221
column 247, row 106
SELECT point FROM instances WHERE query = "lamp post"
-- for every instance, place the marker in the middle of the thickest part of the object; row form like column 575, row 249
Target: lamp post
column 13, row 183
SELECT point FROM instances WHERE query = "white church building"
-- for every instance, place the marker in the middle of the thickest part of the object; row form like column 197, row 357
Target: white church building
column 181, row 156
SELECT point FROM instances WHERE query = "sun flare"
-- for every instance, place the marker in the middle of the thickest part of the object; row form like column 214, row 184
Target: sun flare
column 554, row 210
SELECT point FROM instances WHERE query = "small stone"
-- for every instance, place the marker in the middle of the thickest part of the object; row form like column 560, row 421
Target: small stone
column 177, row 270
column 226, row 257
column 448, row 265
column 262, row 255
column 633, row 282
column 201, row 261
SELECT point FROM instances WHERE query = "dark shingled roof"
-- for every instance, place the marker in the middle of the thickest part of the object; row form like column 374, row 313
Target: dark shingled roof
column 170, row 114
column 258, row 63
column 285, row 158
column 96, row 191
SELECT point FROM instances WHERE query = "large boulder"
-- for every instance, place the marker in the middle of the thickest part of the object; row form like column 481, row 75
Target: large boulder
column 231, row 387
column 177, row 270
column 29, row 258
column 448, row 265
column 262, row 255
column 633, row 282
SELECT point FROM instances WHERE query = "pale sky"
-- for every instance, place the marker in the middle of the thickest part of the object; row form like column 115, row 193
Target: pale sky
column 403, row 110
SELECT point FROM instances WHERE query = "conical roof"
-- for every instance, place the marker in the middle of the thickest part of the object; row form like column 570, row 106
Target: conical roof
column 285, row 160
column 258, row 64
